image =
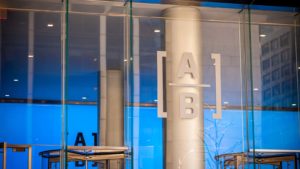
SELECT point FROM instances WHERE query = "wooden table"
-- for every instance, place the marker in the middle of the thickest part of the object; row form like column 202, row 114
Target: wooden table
column 16, row 148
column 85, row 153
column 260, row 157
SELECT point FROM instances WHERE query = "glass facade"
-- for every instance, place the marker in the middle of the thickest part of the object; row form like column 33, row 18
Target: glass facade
column 111, row 84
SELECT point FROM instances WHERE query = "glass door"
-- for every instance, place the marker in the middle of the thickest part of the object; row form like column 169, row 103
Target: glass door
column 198, row 93
column 95, row 85
column 190, row 87
column 275, row 74
column 30, row 81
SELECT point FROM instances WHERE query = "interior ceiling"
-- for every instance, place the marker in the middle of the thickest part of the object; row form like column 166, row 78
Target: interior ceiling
column 290, row 3
column 286, row 3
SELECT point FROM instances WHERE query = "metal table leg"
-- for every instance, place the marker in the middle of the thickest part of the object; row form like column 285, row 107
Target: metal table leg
column 4, row 156
column 296, row 162
column 107, row 164
column 30, row 157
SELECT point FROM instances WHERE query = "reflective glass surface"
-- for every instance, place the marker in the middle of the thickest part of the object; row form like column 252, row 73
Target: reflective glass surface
column 85, row 73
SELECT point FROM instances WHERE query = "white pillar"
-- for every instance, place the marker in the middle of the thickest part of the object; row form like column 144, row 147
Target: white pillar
column 30, row 74
column 111, row 124
column 185, row 149
column 30, row 67
column 114, row 117
column 103, row 86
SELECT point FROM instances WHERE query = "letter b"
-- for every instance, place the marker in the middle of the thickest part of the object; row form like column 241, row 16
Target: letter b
column 189, row 105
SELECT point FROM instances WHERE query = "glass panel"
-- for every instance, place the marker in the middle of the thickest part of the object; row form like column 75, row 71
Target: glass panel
column 275, row 85
column 82, row 81
column 128, row 84
column 94, row 84
column 185, row 140
column 30, row 80
column 159, row 85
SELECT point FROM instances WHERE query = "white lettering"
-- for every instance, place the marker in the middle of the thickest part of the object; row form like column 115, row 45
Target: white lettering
column 189, row 105
column 187, row 66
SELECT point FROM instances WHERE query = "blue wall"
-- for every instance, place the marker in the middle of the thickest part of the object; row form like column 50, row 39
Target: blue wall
column 40, row 125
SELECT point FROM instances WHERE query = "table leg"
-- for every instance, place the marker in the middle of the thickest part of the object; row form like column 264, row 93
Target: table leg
column 107, row 164
column 86, row 164
column 49, row 164
column 237, row 161
column 4, row 156
column 295, row 162
column 30, row 157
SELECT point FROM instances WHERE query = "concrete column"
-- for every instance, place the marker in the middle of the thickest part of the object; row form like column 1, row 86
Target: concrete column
column 114, row 126
column 115, row 116
column 185, row 148
column 111, row 114
column 103, row 80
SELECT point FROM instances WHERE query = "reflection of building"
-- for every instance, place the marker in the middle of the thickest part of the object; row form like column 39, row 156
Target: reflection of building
column 278, row 67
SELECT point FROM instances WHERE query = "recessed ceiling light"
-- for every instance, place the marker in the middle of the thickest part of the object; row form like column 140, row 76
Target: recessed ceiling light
column 7, row 95
column 156, row 30
column 50, row 25
column 226, row 102
column 299, row 67
column 262, row 35
column 155, row 100
column 16, row 80
column 294, row 104
column 255, row 89
column 84, row 98
column 30, row 56
column 125, row 60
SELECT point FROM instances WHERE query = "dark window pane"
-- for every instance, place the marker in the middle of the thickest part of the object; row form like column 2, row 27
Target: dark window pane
column 284, row 39
column 285, row 71
column 267, row 94
column 276, row 74
column 265, row 49
column 285, row 55
column 275, row 60
column 266, row 64
column 286, row 86
column 274, row 44
column 276, row 90
column 266, row 79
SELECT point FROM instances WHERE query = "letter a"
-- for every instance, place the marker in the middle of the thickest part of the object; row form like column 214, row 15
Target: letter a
column 187, row 66
column 80, row 139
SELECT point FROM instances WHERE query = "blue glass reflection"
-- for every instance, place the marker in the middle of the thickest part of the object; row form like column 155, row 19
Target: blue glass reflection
column 273, row 130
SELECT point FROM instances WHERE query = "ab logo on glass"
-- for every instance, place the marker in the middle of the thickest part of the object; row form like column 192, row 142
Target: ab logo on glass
column 188, row 101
